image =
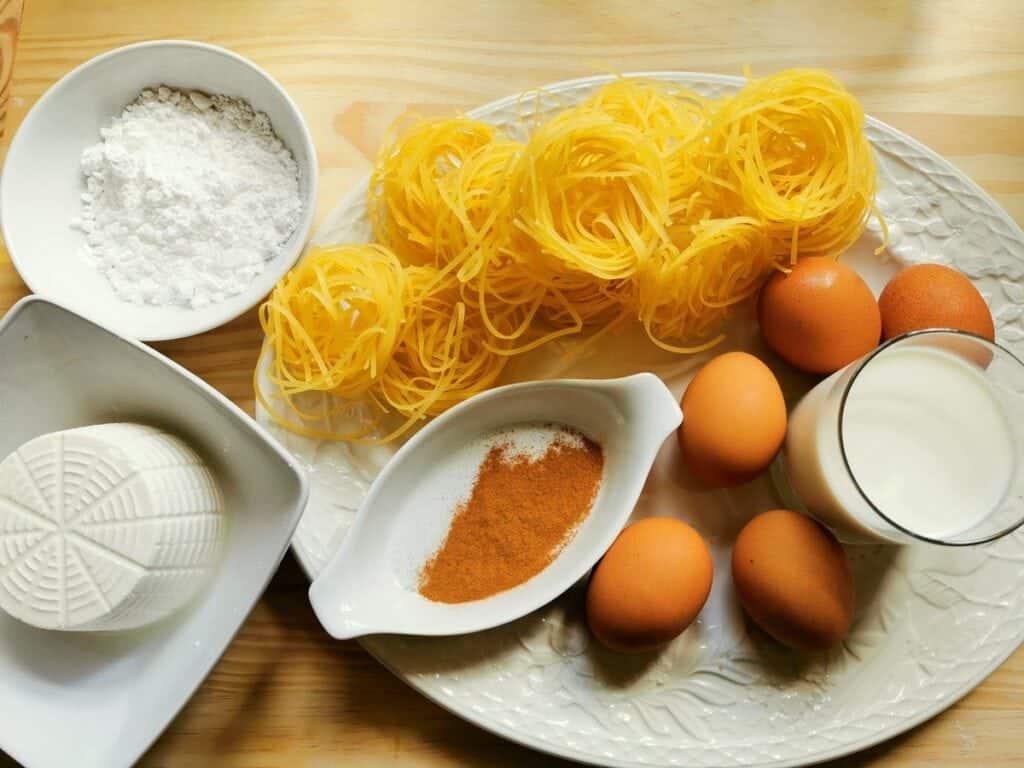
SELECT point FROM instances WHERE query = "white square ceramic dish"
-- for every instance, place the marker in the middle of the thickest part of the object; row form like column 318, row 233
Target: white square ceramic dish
column 100, row 699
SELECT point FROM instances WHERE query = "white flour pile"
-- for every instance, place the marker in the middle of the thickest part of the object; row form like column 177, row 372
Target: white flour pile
column 188, row 196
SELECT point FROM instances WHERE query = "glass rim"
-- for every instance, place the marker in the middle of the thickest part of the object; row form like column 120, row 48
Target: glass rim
column 848, row 387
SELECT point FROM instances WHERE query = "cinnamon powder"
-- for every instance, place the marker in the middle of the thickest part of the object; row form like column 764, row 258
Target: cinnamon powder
column 520, row 514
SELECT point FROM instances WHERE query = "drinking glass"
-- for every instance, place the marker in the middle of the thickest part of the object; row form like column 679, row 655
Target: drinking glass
column 920, row 440
column 10, row 21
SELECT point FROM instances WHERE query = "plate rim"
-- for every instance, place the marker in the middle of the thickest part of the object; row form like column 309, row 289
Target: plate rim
column 522, row 738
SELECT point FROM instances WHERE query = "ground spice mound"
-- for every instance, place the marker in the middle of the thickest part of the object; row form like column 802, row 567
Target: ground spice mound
column 521, row 512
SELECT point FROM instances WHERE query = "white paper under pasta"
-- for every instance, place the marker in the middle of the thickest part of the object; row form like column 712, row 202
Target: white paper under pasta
column 105, row 527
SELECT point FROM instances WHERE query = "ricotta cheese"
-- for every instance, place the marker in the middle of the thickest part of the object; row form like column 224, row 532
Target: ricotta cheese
column 106, row 527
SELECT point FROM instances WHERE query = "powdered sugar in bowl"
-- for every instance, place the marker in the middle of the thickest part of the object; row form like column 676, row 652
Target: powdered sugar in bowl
column 144, row 237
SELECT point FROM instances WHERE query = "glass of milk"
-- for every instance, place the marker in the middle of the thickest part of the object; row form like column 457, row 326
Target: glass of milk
column 918, row 441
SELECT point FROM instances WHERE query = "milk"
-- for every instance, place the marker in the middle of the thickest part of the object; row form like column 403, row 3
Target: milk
column 926, row 440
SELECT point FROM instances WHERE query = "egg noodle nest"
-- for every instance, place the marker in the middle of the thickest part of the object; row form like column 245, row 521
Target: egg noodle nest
column 646, row 203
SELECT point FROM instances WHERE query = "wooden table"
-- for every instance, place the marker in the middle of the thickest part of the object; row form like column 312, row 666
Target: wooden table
column 949, row 73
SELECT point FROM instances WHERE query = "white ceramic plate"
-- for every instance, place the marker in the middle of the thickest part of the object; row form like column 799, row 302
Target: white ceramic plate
column 95, row 699
column 931, row 622
column 42, row 179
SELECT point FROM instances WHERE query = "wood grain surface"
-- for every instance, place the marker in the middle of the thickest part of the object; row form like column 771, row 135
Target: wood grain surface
column 949, row 73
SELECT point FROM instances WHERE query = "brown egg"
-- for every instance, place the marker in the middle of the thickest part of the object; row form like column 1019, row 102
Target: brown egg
column 820, row 316
column 734, row 420
column 793, row 580
column 933, row 296
column 650, row 585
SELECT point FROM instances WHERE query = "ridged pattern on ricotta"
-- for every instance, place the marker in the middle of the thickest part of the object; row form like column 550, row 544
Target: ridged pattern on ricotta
column 105, row 527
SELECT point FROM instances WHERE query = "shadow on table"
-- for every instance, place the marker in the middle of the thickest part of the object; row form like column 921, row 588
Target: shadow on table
column 289, row 694
column 288, row 690
column 286, row 693
column 372, row 706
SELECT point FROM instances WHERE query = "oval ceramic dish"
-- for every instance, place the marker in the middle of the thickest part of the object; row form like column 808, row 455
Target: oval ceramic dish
column 369, row 586
column 930, row 623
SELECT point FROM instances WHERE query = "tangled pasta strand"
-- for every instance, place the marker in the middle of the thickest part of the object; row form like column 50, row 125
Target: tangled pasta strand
column 685, row 294
column 442, row 357
column 404, row 201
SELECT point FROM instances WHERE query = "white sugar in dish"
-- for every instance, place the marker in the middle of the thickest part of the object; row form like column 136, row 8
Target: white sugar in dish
column 188, row 196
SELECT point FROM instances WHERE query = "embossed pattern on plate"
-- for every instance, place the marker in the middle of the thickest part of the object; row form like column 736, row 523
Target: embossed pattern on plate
column 931, row 623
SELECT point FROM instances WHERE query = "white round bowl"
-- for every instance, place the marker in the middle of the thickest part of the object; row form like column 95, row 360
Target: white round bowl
column 42, row 180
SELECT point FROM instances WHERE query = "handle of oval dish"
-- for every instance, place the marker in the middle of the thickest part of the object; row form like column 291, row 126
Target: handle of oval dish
column 345, row 596
column 337, row 612
column 648, row 404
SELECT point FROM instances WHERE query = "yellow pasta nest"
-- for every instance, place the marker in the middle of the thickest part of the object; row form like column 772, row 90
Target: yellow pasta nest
column 443, row 357
column 675, row 118
column 790, row 151
column 404, row 201
column 332, row 325
column 644, row 203
column 684, row 295
column 474, row 218
column 591, row 195
column 333, row 322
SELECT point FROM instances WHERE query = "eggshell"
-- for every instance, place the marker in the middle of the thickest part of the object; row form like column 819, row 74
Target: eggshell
column 793, row 580
column 820, row 316
column 734, row 420
column 650, row 585
column 933, row 296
